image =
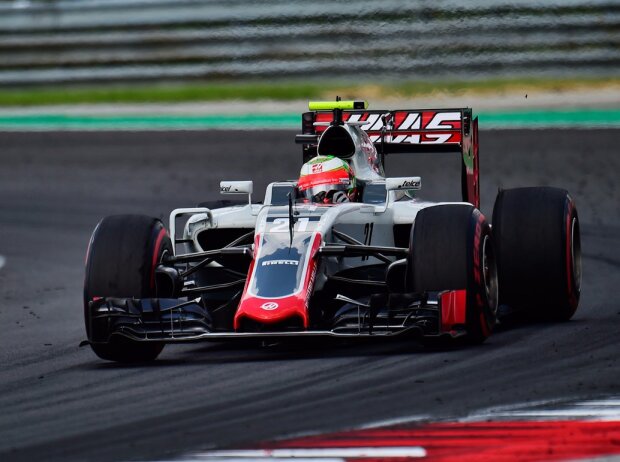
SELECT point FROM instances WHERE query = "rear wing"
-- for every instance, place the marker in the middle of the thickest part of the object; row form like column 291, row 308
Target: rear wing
column 409, row 131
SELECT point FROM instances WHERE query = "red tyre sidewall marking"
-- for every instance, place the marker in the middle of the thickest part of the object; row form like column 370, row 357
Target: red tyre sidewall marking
column 158, row 241
column 478, row 278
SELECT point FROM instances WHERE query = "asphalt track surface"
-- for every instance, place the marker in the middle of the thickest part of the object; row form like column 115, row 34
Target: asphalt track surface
column 60, row 402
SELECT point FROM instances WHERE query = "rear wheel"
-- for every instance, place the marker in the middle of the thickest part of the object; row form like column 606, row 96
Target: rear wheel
column 539, row 251
column 123, row 253
column 452, row 249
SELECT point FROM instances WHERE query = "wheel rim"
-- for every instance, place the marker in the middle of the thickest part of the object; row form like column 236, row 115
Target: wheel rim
column 575, row 250
column 489, row 271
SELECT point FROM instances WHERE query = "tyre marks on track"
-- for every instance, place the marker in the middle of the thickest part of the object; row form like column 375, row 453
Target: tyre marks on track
column 572, row 431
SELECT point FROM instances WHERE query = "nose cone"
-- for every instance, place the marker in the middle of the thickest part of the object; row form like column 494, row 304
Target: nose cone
column 260, row 314
column 281, row 280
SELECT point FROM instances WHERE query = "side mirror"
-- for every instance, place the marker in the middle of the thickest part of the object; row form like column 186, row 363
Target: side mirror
column 237, row 187
column 403, row 183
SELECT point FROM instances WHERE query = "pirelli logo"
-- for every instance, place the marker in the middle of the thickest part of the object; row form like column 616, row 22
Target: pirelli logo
column 280, row 262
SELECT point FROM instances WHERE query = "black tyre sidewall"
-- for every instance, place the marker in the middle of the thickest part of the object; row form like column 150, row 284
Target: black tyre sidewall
column 446, row 253
column 122, row 255
column 533, row 234
column 435, row 241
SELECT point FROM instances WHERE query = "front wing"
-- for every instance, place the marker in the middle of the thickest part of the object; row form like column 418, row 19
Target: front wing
column 178, row 321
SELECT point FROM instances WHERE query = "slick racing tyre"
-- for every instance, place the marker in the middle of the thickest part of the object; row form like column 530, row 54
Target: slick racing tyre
column 538, row 244
column 123, row 253
column 451, row 248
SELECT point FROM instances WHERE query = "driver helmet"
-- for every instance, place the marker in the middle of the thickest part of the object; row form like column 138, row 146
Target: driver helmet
column 327, row 179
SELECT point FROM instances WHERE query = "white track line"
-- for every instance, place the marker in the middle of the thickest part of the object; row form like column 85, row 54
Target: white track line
column 601, row 402
column 591, row 410
column 315, row 454
column 209, row 458
column 2, row 261
column 203, row 458
column 588, row 414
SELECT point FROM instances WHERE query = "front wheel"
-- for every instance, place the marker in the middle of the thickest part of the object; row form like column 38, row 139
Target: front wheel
column 122, row 255
column 452, row 248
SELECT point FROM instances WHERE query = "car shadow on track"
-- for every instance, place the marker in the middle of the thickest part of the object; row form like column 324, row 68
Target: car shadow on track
column 253, row 352
column 510, row 330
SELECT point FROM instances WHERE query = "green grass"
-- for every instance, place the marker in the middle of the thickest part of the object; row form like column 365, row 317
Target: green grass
column 155, row 93
column 280, row 91
column 506, row 85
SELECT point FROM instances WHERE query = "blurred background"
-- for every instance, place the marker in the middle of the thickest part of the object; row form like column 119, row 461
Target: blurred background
column 135, row 51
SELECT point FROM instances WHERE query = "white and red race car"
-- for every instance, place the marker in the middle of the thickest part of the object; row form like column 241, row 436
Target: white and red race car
column 388, row 264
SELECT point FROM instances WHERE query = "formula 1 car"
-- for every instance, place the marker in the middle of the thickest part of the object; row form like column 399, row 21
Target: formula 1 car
column 387, row 264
